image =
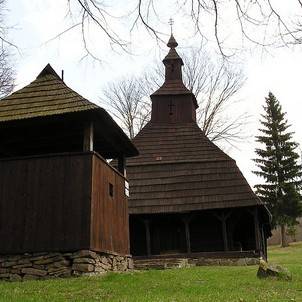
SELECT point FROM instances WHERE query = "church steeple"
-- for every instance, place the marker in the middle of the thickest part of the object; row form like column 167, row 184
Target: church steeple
column 173, row 62
column 173, row 101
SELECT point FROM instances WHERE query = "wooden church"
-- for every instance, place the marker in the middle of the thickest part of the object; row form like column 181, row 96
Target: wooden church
column 187, row 197
column 63, row 207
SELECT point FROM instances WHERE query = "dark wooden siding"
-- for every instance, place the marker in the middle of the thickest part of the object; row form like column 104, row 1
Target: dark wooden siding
column 45, row 203
column 51, row 203
column 109, row 214
column 173, row 109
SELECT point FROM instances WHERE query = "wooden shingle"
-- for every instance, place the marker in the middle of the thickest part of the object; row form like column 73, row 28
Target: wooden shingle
column 47, row 95
column 49, row 101
column 179, row 169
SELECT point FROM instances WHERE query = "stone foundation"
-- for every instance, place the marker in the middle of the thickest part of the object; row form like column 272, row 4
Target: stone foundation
column 224, row 261
column 164, row 263
column 32, row 266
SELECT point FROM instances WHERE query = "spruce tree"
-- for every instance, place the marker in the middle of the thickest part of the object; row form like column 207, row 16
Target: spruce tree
column 278, row 165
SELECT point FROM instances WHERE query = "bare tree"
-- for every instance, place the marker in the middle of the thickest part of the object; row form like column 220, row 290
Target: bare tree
column 260, row 22
column 3, row 27
column 7, row 73
column 126, row 100
column 215, row 86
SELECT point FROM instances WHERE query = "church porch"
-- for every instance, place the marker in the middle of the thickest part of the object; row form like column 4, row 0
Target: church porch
column 216, row 233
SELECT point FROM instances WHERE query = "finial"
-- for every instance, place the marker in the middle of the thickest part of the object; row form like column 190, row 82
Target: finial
column 171, row 22
column 172, row 42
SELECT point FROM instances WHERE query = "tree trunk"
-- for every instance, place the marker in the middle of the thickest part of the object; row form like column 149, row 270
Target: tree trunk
column 284, row 242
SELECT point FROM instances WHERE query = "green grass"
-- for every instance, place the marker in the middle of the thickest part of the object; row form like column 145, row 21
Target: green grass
column 192, row 284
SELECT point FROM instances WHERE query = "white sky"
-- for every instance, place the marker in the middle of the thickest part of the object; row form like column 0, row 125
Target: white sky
column 36, row 21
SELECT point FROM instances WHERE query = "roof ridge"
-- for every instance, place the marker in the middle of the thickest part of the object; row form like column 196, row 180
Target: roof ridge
column 48, row 70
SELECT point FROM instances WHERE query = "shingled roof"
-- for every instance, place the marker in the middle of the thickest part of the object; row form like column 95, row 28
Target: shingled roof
column 180, row 169
column 172, row 87
column 47, row 95
column 49, row 98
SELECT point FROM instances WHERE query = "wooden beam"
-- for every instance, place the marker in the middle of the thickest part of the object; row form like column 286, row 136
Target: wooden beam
column 257, row 230
column 263, row 241
column 265, row 244
column 224, row 233
column 148, row 238
column 88, row 137
column 186, row 220
column 121, row 165
column 223, row 218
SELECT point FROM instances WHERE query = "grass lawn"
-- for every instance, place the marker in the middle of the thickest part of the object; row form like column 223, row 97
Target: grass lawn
column 190, row 284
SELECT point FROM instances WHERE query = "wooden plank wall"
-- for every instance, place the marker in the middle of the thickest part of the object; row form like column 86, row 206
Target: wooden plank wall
column 172, row 109
column 45, row 203
column 109, row 215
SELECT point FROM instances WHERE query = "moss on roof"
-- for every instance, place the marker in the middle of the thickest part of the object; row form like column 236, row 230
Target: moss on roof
column 47, row 95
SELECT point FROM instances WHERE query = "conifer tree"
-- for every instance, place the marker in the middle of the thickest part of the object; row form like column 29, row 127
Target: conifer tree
column 278, row 165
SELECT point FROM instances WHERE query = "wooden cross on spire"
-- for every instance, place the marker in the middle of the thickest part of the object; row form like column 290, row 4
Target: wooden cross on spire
column 171, row 22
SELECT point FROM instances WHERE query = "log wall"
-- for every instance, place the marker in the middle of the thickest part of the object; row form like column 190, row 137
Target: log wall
column 109, row 210
column 46, row 204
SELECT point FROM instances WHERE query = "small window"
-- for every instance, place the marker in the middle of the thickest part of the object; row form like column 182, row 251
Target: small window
column 111, row 189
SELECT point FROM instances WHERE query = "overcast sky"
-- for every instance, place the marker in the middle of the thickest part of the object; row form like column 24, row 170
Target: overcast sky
column 36, row 22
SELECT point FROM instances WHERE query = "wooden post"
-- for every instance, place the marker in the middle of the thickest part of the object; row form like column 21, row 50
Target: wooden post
column 186, row 221
column 263, row 243
column 148, row 239
column 257, row 230
column 224, row 232
column 88, row 137
column 223, row 218
column 121, row 165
